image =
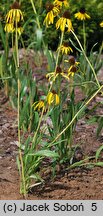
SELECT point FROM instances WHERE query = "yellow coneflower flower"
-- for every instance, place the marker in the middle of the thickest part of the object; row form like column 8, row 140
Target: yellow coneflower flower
column 9, row 27
column 52, row 12
column 82, row 15
column 64, row 22
column 53, row 75
column 72, row 61
column 13, row 19
column 15, row 14
column 53, row 98
column 72, row 70
column 60, row 3
column 38, row 105
column 73, row 66
column 65, row 48
column 101, row 24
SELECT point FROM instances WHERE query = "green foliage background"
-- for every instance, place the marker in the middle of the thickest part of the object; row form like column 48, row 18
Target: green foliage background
column 51, row 37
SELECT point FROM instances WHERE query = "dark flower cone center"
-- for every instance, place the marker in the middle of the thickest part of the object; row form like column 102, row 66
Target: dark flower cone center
column 82, row 10
column 66, row 15
column 72, row 60
column 15, row 5
column 58, row 69
column 73, row 69
column 54, row 92
column 49, row 7
column 66, row 44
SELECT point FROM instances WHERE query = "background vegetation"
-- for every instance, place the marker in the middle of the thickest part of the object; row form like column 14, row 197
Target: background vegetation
column 51, row 37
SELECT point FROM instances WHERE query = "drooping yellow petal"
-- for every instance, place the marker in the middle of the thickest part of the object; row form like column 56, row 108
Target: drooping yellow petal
column 101, row 24
column 50, row 98
column 69, row 25
column 53, row 98
column 9, row 27
column 14, row 15
column 57, row 100
column 38, row 105
column 82, row 16
column 65, row 76
column 65, row 48
column 59, row 3
column 63, row 24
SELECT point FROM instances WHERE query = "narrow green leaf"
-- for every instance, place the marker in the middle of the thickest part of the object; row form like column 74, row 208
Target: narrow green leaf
column 39, row 37
column 36, row 117
column 46, row 153
column 2, row 35
column 99, row 164
column 80, row 163
column 18, row 163
column 50, row 58
column 98, row 152
column 24, row 112
column 36, row 176
column 100, row 125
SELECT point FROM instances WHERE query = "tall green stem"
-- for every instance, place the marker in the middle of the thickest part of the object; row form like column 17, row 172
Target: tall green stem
column 22, row 177
column 86, row 58
column 57, row 61
column 35, row 135
column 35, row 12
column 84, row 36
column 73, row 119
column 37, row 19
column 58, row 54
